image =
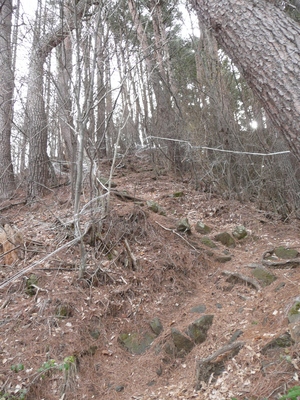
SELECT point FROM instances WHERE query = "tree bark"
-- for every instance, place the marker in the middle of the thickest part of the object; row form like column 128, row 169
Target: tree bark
column 264, row 43
column 7, row 183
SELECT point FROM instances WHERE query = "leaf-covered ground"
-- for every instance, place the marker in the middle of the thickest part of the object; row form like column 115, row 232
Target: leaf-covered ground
column 61, row 340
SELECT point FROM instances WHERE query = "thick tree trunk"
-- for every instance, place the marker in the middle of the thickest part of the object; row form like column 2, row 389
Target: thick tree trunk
column 264, row 43
column 7, row 184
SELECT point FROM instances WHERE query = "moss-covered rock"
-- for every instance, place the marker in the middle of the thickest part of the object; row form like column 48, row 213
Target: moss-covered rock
column 156, row 208
column 198, row 329
column 208, row 242
column 264, row 277
column 156, row 326
column 183, row 225
column 286, row 253
column 105, row 182
column 282, row 341
column 223, row 258
column 63, row 310
column 226, row 239
column 202, row 228
column 31, row 285
column 294, row 312
column 239, row 232
column 178, row 194
column 135, row 342
column 182, row 344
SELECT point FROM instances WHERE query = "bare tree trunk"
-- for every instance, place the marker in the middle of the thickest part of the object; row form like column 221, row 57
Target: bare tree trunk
column 64, row 105
column 7, row 182
column 36, row 121
column 264, row 43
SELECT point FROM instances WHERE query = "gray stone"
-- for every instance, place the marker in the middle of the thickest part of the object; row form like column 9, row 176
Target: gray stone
column 199, row 309
column 239, row 232
column 198, row 329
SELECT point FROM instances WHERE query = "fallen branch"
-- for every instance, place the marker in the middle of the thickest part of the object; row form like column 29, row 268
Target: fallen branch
column 126, row 196
column 293, row 263
column 10, row 205
column 206, row 368
column 9, row 251
column 243, row 278
column 131, row 255
column 176, row 233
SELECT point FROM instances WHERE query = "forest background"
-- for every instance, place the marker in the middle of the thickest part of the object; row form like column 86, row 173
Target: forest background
column 104, row 80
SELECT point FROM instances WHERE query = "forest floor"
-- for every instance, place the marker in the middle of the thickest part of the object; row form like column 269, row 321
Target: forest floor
column 61, row 340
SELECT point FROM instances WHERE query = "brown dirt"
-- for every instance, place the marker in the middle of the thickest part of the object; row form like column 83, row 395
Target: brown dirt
column 175, row 272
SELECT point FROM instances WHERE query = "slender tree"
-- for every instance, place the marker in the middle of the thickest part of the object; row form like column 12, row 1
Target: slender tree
column 7, row 182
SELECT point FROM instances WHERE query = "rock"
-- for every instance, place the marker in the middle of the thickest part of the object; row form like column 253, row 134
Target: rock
column 295, row 331
column 184, row 226
column 197, row 330
column 286, row 253
column 235, row 336
column 264, row 277
column 136, row 343
column 199, row 309
column 208, row 242
column 31, row 285
column 119, row 388
column 281, row 341
column 156, row 326
column 178, row 194
column 226, row 239
column 95, row 334
column 239, row 232
column 63, row 310
column 105, row 182
column 153, row 206
column 223, row 259
column 294, row 312
column 202, row 228
column 182, row 344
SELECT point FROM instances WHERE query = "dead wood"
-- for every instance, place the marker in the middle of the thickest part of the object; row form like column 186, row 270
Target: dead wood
column 244, row 278
column 10, row 205
column 294, row 263
column 207, row 368
column 126, row 196
column 131, row 255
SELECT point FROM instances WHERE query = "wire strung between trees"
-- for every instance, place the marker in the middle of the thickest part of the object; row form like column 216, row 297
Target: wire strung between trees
column 220, row 150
